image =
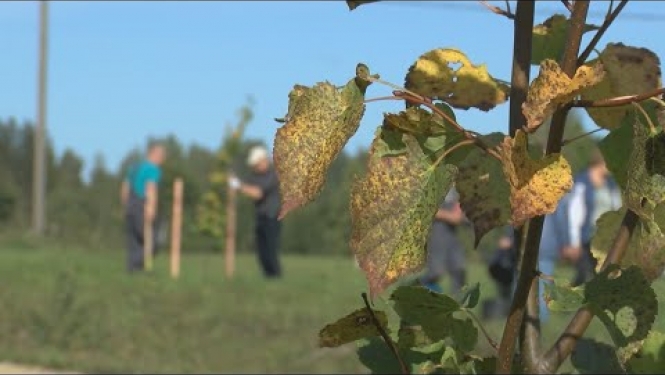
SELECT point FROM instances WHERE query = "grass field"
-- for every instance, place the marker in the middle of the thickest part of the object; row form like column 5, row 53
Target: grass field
column 80, row 311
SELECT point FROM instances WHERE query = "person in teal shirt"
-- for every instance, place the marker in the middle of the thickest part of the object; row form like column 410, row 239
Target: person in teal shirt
column 139, row 196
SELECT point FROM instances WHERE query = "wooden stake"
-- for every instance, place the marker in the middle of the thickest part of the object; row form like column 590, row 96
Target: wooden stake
column 147, row 244
column 176, row 227
column 230, row 239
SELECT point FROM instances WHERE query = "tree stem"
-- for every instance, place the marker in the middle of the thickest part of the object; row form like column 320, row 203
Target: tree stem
column 386, row 337
column 519, row 87
column 599, row 34
column 528, row 274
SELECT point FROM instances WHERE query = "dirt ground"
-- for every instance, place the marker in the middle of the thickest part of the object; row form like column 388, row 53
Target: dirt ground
column 13, row 368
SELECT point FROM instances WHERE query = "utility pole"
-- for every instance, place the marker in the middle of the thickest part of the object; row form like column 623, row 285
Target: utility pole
column 39, row 146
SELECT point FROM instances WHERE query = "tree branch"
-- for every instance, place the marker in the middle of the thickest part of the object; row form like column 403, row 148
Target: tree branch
column 528, row 274
column 519, row 80
column 386, row 338
column 565, row 344
column 519, row 87
column 495, row 9
column 568, row 5
column 599, row 34
column 568, row 141
column 618, row 101
column 473, row 316
column 421, row 100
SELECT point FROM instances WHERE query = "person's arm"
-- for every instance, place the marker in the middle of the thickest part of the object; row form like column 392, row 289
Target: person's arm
column 255, row 192
column 150, row 200
column 124, row 193
column 576, row 212
column 451, row 215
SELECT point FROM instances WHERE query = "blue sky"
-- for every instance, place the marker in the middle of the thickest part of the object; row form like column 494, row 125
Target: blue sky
column 121, row 71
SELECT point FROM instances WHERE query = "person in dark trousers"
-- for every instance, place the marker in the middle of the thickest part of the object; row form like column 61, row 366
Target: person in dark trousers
column 445, row 252
column 594, row 193
column 263, row 187
column 502, row 270
column 139, row 194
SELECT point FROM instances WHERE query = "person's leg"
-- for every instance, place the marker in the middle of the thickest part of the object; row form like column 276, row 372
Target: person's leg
column 585, row 266
column 273, row 229
column 135, row 241
column 545, row 266
column 434, row 267
column 262, row 250
column 457, row 280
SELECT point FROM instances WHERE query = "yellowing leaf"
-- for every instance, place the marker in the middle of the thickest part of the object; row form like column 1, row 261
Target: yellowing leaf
column 646, row 248
column 483, row 189
column 469, row 86
column 628, row 71
column 550, row 37
column 392, row 209
column 553, row 88
column 320, row 121
column 355, row 326
column 536, row 186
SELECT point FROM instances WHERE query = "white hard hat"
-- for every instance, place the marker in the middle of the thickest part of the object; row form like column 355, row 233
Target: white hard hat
column 256, row 154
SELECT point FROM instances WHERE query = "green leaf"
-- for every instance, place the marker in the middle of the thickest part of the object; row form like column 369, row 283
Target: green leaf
column 646, row 248
column 616, row 148
column 651, row 357
column 355, row 326
column 375, row 355
column 434, row 313
column 411, row 336
column 320, row 121
column 563, row 298
column 644, row 189
column 463, row 333
column 449, row 360
column 626, row 303
column 549, row 38
column 392, row 209
column 593, row 357
column 483, row 189
column 628, row 71
column 417, row 305
column 470, row 295
column 468, row 86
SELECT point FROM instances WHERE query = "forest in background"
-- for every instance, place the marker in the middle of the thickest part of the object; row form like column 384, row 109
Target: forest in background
column 86, row 212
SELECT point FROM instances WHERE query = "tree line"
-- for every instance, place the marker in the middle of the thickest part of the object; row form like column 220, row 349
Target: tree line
column 86, row 213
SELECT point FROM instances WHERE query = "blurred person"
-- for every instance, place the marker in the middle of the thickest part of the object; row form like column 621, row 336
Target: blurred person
column 594, row 192
column 503, row 267
column 445, row 252
column 139, row 195
column 502, row 270
column 262, row 186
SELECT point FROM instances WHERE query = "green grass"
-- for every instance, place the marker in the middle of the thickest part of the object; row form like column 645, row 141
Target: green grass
column 80, row 310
